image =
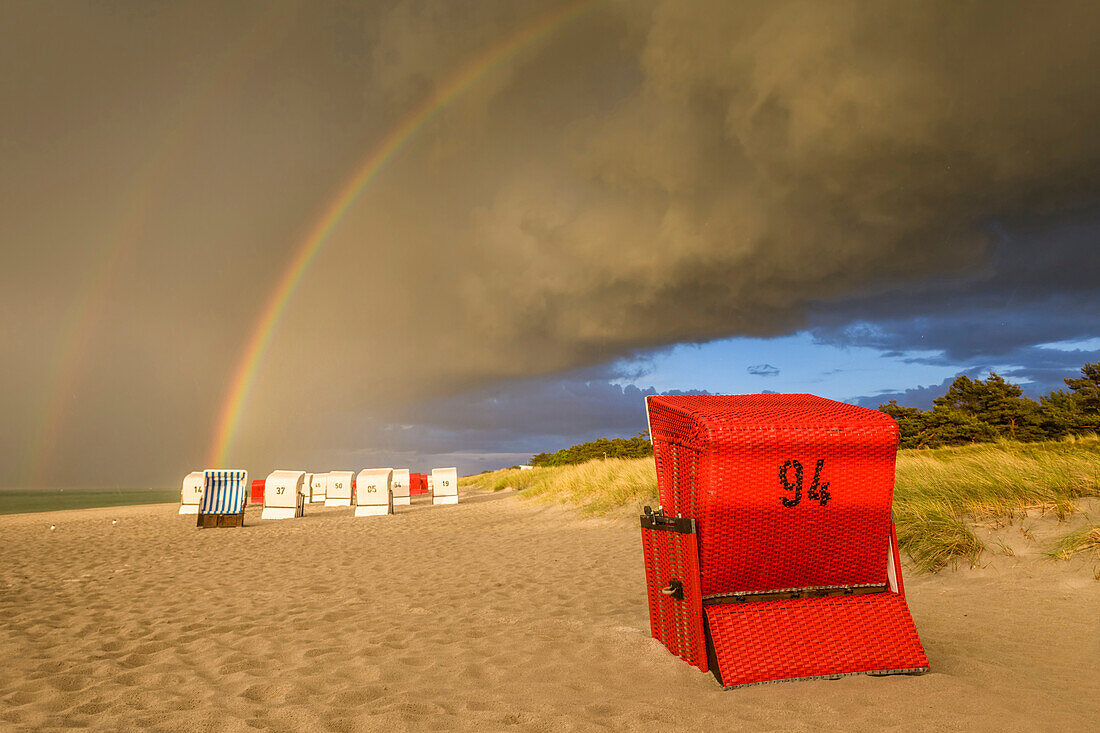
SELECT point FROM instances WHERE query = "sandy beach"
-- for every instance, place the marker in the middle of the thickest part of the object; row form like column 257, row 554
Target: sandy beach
column 496, row 614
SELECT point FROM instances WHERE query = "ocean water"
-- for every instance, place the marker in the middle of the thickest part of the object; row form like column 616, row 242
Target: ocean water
column 19, row 501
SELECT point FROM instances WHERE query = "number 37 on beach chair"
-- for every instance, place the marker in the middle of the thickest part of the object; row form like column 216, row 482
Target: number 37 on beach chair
column 223, row 499
column 773, row 555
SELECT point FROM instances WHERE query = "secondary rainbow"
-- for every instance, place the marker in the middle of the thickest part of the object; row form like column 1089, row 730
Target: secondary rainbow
column 446, row 93
column 90, row 309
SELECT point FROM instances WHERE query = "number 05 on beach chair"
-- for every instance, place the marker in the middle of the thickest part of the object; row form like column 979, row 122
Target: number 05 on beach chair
column 223, row 499
column 773, row 555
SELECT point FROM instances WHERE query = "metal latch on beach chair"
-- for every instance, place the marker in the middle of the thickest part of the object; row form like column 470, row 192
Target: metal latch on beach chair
column 661, row 521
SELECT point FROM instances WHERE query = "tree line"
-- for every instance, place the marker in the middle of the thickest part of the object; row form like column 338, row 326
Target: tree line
column 972, row 411
column 977, row 411
column 636, row 447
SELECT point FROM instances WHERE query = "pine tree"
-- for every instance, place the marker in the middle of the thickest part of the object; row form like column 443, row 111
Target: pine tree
column 1061, row 414
column 998, row 403
column 1086, row 389
column 909, row 423
column 944, row 426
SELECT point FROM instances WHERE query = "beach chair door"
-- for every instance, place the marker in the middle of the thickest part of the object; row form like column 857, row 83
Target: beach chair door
column 672, row 582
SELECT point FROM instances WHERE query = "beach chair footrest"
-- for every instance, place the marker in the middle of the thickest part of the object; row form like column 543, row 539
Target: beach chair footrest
column 209, row 521
column 812, row 638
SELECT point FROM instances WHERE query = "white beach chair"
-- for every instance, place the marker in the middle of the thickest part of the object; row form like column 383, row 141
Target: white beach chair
column 284, row 495
column 224, row 494
column 444, row 485
column 339, row 488
column 401, row 496
column 191, row 494
column 317, row 487
column 373, row 492
column 307, row 487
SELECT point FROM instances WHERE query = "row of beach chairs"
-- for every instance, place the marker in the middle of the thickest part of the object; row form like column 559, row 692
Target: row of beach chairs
column 218, row 497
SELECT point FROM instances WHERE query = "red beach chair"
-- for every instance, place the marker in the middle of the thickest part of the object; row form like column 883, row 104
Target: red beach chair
column 774, row 556
column 257, row 496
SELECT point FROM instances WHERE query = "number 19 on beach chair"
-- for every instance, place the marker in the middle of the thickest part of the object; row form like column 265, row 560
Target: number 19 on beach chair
column 445, row 485
column 223, row 499
column 773, row 555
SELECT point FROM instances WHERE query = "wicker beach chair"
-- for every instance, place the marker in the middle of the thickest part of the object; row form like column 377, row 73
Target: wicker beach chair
column 418, row 484
column 339, row 488
column 284, row 495
column 373, row 493
column 223, row 499
column 318, row 490
column 773, row 555
column 400, row 487
column 444, row 485
column 191, row 493
column 257, row 494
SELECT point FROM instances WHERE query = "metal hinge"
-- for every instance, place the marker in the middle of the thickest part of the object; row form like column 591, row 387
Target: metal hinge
column 659, row 520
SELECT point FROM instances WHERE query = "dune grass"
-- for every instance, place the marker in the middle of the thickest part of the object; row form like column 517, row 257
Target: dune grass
column 938, row 493
column 1086, row 539
column 596, row 488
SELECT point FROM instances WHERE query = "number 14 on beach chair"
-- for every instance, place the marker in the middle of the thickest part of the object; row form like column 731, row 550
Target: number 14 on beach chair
column 774, row 555
column 191, row 495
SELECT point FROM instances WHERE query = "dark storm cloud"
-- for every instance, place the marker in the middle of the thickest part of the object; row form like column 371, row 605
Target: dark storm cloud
column 1037, row 370
column 1041, row 283
column 650, row 174
column 508, row 422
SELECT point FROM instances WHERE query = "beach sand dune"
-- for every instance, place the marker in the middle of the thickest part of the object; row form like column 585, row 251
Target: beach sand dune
column 496, row 614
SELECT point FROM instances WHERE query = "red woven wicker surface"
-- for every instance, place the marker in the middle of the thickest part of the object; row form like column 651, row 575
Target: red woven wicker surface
column 777, row 640
column 678, row 624
column 257, row 491
column 788, row 491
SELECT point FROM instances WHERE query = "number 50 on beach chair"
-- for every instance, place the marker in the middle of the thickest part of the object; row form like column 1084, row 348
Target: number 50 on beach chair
column 223, row 498
column 773, row 555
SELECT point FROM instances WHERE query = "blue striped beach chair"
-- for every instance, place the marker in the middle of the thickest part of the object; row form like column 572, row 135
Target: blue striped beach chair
column 223, row 498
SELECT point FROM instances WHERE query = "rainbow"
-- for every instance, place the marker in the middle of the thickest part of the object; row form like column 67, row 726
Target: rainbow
column 90, row 309
column 446, row 93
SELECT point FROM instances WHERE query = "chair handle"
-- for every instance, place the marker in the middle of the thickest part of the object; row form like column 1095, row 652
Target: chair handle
column 675, row 589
